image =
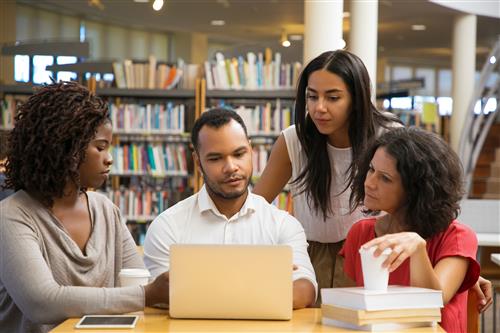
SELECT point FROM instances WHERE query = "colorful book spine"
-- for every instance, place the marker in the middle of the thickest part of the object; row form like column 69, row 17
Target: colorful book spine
column 166, row 118
column 155, row 159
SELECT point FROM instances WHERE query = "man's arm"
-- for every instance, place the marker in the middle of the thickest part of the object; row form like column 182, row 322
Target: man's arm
column 159, row 236
column 304, row 293
column 304, row 279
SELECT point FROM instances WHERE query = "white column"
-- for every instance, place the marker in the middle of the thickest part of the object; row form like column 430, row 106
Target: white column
column 463, row 70
column 363, row 35
column 322, row 27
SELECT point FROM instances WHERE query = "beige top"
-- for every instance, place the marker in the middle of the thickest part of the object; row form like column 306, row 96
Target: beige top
column 44, row 276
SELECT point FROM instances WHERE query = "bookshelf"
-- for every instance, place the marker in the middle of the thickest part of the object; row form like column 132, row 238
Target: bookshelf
column 152, row 167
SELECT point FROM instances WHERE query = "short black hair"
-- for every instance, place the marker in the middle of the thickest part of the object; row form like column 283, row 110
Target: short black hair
column 431, row 174
column 214, row 118
column 47, row 144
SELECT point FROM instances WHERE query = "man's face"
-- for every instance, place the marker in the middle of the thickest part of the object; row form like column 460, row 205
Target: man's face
column 225, row 158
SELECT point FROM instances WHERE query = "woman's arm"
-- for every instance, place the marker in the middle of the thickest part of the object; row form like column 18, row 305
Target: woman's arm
column 484, row 292
column 447, row 275
column 276, row 173
column 29, row 281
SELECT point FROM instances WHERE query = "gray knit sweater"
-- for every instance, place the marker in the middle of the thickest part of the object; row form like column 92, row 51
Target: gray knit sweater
column 44, row 276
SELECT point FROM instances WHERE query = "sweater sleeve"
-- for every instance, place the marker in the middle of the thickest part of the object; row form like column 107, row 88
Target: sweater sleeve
column 29, row 281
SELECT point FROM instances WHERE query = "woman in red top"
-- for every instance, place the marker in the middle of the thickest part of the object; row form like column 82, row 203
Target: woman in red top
column 416, row 178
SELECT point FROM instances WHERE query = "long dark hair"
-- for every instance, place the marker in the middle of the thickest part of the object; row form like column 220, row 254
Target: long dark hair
column 52, row 131
column 431, row 174
column 364, row 118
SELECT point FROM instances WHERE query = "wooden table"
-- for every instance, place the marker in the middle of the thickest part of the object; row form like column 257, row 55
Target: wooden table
column 156, row 320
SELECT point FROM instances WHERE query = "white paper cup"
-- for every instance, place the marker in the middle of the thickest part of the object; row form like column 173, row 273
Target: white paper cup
column 375, row 277
column 134, row 277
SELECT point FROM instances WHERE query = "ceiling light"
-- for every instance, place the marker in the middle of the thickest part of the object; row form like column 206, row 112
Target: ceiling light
column 218, row 23
column 342, row 44
column 157, row 5
column 284, row 40
column 418, row 27
column 493, row 59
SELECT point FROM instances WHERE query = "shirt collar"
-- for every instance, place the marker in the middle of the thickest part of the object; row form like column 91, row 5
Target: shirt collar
column 206, row 203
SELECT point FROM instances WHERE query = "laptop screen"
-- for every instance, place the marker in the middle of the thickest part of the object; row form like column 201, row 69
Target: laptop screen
column 231, row 281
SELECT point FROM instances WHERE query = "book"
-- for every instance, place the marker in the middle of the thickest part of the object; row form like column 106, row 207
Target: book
column 383, row 327
column 363, row 317
column 396, row 297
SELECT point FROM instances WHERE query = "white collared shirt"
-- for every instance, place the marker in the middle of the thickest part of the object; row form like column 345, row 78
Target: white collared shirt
column 196, row 220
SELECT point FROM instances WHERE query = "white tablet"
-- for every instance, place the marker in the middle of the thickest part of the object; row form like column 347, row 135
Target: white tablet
column 107, row 321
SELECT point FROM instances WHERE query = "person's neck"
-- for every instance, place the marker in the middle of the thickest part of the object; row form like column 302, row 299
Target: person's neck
column 339, row 139
column 228, row 207
column 389, row 224
column 70, row 197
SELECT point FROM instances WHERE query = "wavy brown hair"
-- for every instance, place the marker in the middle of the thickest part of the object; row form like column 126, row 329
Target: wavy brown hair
column 431, row 174
column 52, row 131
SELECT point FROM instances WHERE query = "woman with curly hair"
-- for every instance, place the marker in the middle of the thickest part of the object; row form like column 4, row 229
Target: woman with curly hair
column 61, row 246
column 416, row 178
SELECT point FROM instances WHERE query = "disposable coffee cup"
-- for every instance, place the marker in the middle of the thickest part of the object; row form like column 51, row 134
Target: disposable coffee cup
column 134, row 277
column 375, row 277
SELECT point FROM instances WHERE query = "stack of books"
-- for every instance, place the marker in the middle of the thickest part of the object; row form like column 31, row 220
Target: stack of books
column 397, row 308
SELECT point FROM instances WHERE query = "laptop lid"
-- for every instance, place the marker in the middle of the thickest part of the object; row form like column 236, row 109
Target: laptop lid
column 231, row 281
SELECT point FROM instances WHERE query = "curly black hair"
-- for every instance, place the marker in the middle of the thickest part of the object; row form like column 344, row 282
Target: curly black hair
column 431, row 174
column 214, row 118
column 52, row 131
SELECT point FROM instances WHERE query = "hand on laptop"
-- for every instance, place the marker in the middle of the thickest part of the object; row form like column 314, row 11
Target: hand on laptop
column 157, row 291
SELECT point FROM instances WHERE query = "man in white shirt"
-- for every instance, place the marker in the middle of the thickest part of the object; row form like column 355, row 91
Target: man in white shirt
column 224, row 211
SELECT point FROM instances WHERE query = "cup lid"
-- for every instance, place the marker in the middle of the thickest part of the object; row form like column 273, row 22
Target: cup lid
column 135, row 272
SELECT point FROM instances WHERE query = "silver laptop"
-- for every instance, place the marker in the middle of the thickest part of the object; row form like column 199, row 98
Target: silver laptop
column 231, row 281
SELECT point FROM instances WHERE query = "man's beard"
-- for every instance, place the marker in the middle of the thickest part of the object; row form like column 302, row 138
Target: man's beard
column 217, row 191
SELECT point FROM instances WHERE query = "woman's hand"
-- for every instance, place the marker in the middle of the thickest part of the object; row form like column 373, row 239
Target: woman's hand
column 484, row 294
column 403, row 246
column 158, row 290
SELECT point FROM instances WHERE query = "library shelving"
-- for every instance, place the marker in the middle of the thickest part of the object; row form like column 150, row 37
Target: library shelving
column 152, row 167
column 151, row 161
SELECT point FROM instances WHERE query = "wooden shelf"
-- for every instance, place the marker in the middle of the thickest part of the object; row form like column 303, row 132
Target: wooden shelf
column 20, row 89
column 255, row 94
column 145, row 93
column 27, row 89
column 150, row 174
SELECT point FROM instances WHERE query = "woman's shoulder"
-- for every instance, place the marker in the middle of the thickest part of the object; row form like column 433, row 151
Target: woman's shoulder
column 461, row 229
column 98, row 197
column 290, row 132
column 362, row 228
column 20, row 200
column 363, row 224
column 100, row 201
